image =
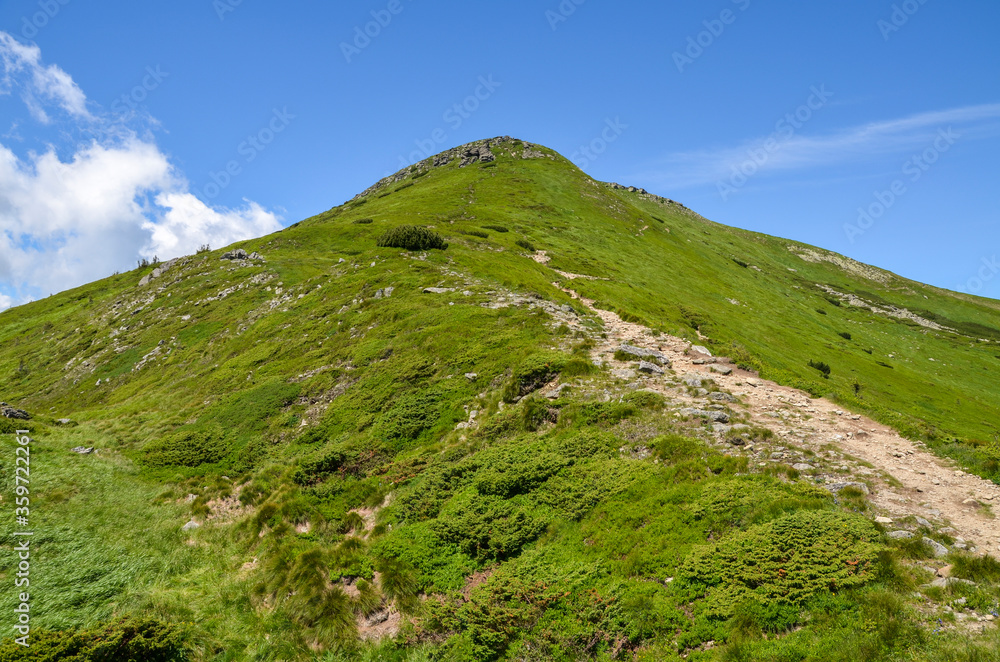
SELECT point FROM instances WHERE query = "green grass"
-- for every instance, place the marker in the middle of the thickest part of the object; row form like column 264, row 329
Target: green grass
column 303, row 392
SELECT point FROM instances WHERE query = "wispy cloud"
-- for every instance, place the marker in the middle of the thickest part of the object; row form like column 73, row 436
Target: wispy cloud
column 69, row 219
column 801, row 151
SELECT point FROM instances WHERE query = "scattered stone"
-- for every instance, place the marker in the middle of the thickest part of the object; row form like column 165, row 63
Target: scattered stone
column 924, row 523
column 191, row 526
column 945, row 582
column 692, row 381
column 10, row 412
column 721, row 397
column 717, row 416
column 701, row 350
column 471, row 376
column 900, row 535
column 652, row 355
column 722, row 370
column 883, row 520
column 438, row 290
column 754, row 382
column 81, row 450
column 238, row 254
column 64, row 421
column 650, row 368
column 940, row 551
column 802, row 466
column 945, row 571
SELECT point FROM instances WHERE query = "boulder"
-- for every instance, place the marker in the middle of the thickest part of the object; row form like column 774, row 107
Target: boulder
column 438, row 290
column 701, row 350
column 81, row 450
column 717, row 416
column 64, row 421
column 648, row 354
column 802, row 466
column 191, row 526
column 939, row 550
column 883, row 520
column 11, row 412
column 238, row 254
column 900, row 535
column 719, row 396
column 722, row 369
column 836, row 487
column 650, row 368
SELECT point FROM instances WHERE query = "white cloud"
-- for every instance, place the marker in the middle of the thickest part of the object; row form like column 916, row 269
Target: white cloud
column 854, row 144
column 68, row 221
column 48, row 82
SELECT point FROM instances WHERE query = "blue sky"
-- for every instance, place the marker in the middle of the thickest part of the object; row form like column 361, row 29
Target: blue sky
column 129, row 129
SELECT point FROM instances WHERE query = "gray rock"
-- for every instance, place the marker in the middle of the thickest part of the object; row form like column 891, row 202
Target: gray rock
column 693, row 381
column 238, row 254
column 191, row 526
column 836, row 487
column 650, row 368
column 722, row 370
column 64, row 421
column 719, row 396
column 717, row 416
column 945, row 582
column 649, row 354
column 438, row 290
column 81, row 450
column 922, row 522
column 701, row 350
column 939, row 550
column 802, row 466
column 11, row 412
column 471, row 376
column 900, row 535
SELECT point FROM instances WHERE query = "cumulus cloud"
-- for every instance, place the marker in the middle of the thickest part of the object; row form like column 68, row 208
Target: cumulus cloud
column 39, row 83
column 68, row 220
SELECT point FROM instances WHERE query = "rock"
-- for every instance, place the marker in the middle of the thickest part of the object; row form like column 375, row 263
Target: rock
column 623, row 373
column 693, row 382
column 650, row 368
column 191, row 526
column 945, row 582
column 701, row 350
column 945, row 571
column 438, row 290
column 802, row 466
column 883, row 520
column 144, row 281
column 948, row 531
column 722, row 370
column 754, row 382
column 238, row 254
column 64, row 421
column 10, row 412
column 924, row 523
column 717, row 416
column 900, row 535
column 719, row 396
column 836, row 487
column 471, row 376
column 940, row 551
column 652, row 355
column 81, row 450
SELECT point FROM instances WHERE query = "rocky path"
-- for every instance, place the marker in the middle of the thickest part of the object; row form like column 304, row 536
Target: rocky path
column 819, row 438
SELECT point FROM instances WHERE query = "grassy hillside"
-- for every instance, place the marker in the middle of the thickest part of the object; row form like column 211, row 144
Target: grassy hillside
column 363, row 456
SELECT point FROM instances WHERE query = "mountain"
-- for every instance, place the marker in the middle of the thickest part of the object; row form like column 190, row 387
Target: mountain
column 493, row 409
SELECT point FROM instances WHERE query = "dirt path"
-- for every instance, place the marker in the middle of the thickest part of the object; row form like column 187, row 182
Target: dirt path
column 906, row 479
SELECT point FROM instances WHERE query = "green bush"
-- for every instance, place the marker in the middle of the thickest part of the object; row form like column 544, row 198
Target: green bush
column 363, row 221
column 845, row 335
column 526, row 245
column 532, row 374
column 476, row 233
column 127, row 640
column 412, row 238
column 188, row 447
column 822, row 367
column 496, row 228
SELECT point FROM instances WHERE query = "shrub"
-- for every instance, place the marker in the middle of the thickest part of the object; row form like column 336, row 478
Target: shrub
column 476, row 233
column 412, row 238
column 822, row 367
column 363, row 221
column 127, row 640
column 188, row 447
column 741, row 263
column 496, row 228
column 844, row 335
column 821, row 311
column 532, row 374
column 526, row 245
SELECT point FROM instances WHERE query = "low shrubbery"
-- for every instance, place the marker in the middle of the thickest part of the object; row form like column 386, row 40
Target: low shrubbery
column 412, row 238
